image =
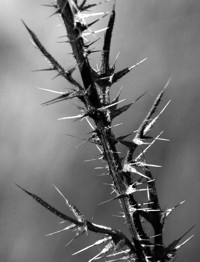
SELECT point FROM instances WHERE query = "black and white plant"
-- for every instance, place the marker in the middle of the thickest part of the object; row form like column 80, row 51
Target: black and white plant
column 131, row 175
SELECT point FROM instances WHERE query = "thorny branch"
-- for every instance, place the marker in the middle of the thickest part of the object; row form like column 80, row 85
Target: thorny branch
column 131, row 175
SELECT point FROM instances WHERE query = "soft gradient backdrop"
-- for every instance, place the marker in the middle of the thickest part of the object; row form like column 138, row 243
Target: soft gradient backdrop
column 36, row 153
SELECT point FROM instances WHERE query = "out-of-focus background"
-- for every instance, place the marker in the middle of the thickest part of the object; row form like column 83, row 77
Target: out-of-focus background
column 36, row 153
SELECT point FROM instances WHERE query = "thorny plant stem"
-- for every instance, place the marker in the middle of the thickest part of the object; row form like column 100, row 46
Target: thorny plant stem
column 114, row 169
column 110, row 152
column 94, row 93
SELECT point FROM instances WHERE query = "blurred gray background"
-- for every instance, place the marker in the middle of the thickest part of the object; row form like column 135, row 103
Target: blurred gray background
column 36, row 153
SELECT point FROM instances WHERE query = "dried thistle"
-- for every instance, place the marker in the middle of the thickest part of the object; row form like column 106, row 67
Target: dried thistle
column 131, row 175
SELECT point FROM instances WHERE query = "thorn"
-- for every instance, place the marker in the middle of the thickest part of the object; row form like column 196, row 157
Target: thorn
column 107, row 201
column 90, row 160
column 49, row 207
column 180, row 245
column 95, row 32
column 44, row 69
column 118, row 95
column 58, row 11
column 118, row 75
column 108, row 184
column 70, row 117
column 150, row 124
column 89, row 52
column 50, row 5
column 79, row 234
column 168, row 82
column 142, row 164
column 113, row 104
column 140, row 62
column 154, row 236
column 148, row 194
column 95, row 244
column 91, row 43
column 94, row 14
column 173, row 246
column 140, row 131
column 169, row 210
column 99, row 149
column 89, row 123
column 75, row 136
column 116, row 125
column 120, row 216
column 62, row 36
column 52, row 91
column 86, row 140
column 64, row 229
column 115, row 61
column 163, row 139
column 103, row 174
column 97, row 20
